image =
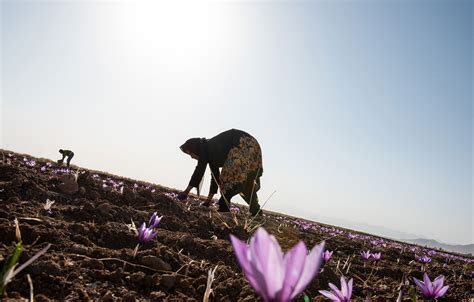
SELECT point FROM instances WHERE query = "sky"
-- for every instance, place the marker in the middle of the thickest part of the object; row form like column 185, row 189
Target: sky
column 363, row 109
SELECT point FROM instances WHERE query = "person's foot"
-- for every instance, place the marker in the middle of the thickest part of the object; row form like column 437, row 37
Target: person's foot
column 221, row 209
column 258, row 212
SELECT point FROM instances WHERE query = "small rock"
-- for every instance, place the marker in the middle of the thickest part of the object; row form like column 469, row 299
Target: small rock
column 116, row 275
column 184, row 283
column 93, row 194
column 137, row 277
column 79, row 249
column 130, row 297
column 42, row 298
column 168, row 281
column 157, row 296
column 105, row 209
column 108, row 297
column 13, row 199
column 88, row 207
column 80, row 228
column 146, row 193
column 49, row 268
column 14, row 295
column 68, row 184
column 186, row 240
column 155, row 263
column 7, row 172
column 129, row 195
column 93, row 264
column 82, row 191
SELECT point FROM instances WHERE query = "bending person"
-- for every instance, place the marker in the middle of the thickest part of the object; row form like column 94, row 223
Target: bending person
column 240, row 157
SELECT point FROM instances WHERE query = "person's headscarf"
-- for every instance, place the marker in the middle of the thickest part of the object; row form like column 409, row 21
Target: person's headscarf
column 194, row 145
column 197, row 146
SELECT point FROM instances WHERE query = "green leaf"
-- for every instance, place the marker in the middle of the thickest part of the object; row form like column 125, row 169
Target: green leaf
column 306, row 298
column 11, row 262
column 13, row 258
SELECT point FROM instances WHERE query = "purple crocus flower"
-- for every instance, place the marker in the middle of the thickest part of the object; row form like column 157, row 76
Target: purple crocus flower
column 154, row 220
column 276, row 276
column 376, row 256
column 327, row 255
column 336, row 295
column 146, row 234
column 424, row 260
column 365, row 255
column 352, row 236
column 431, row 290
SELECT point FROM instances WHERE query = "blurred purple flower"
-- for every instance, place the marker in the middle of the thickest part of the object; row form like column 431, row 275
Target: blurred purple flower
column 146, row 234
column 365, row 255
column 336, row 295
column 327, row 255
column 154, row 220
column 352, row 236
column 431, row 290
column 276, row 276
column 424, row 259
column 376, row 256
column 43, row 169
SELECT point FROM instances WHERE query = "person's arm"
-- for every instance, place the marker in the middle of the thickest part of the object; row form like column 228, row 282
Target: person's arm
column 195, row 179
column 198, row 174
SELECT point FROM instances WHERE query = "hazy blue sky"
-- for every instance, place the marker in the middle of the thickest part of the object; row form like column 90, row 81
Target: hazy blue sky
column 363, row 108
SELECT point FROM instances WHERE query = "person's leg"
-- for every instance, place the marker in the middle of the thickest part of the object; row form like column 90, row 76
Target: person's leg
column 224, row 203
column 249, row 193
column 69, row 159
column 252, row 201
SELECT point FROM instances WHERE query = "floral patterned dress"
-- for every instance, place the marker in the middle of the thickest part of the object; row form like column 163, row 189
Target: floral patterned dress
column 243, row 161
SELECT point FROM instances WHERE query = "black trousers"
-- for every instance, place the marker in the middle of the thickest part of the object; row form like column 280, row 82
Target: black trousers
column 69, row 158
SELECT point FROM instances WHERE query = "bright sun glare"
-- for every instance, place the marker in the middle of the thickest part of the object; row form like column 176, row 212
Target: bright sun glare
column 175, row 33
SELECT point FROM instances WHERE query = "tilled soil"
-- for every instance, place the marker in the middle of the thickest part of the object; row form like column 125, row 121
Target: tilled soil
column 92, row 253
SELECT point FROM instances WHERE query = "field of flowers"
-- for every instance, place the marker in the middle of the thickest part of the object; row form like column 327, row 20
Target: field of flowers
column 103, row 237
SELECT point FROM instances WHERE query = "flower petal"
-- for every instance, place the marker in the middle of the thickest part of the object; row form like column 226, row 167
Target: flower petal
column 311, row 268
column 152, row 220
column 294, row 262
column 267, row 261
column 343, row 286
column 241, row 251
column 349, row 289
column 428, row 284
column 421, row 286
column 336, row 291
column 329, row 295
column 441, row 292
column 438, row 283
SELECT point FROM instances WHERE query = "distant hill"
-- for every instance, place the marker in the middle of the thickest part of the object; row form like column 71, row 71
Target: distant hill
column 398, row 235
column 463, row 249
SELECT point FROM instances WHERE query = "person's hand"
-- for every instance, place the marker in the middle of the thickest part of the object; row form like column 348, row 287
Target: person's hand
column 182, row 195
